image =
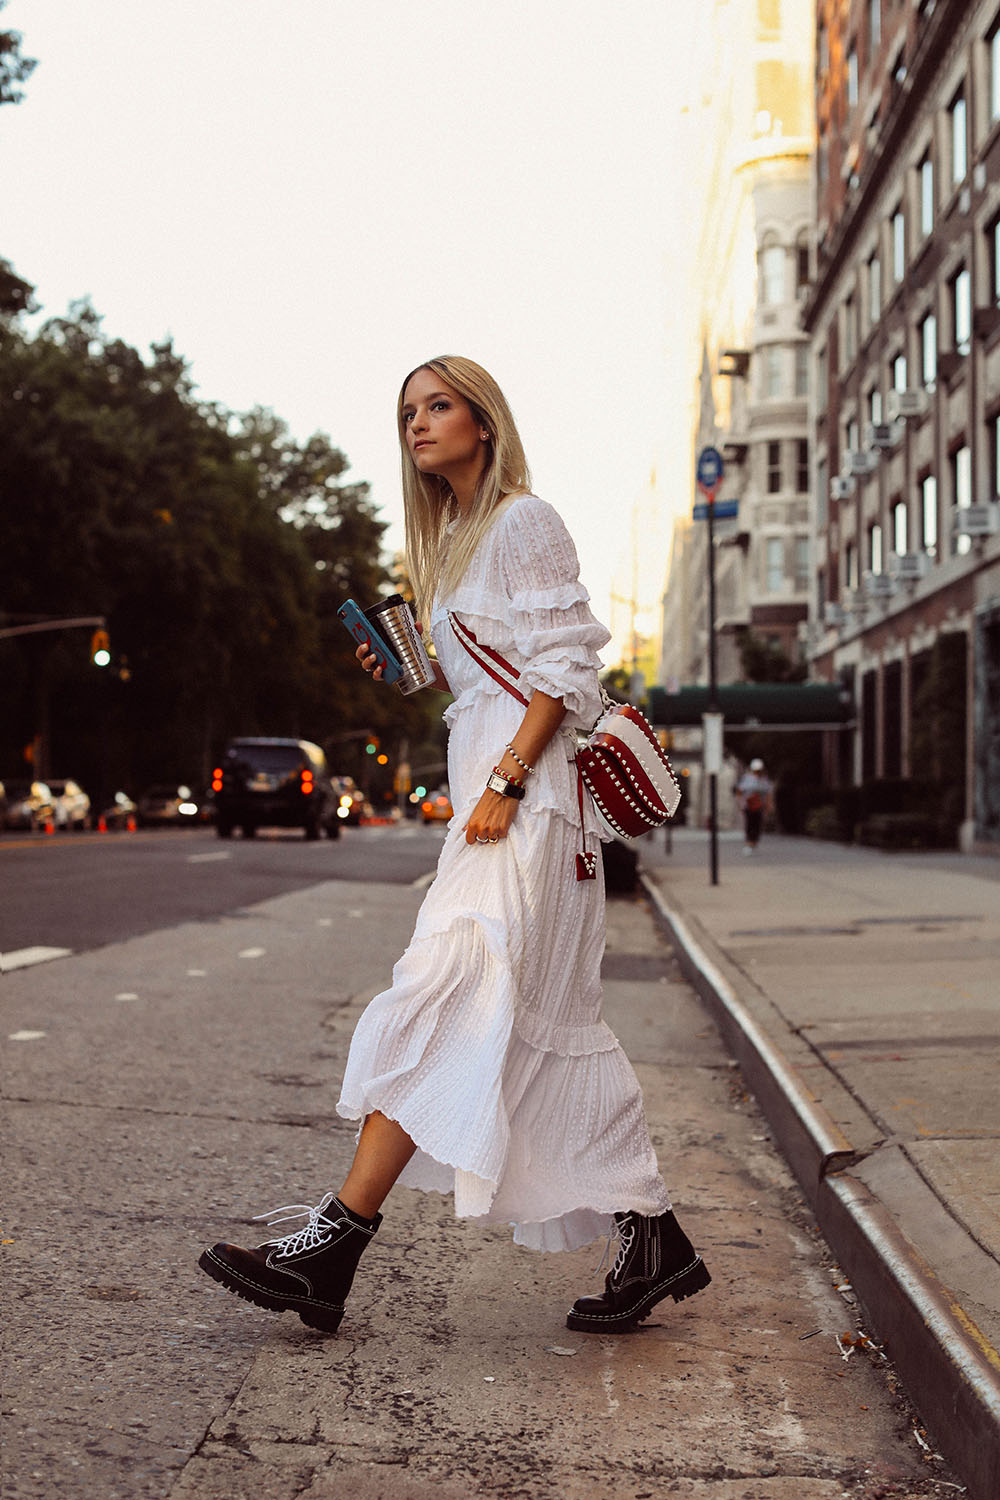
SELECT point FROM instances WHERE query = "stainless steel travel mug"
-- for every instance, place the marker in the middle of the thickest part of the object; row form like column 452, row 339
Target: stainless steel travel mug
column 393, row 619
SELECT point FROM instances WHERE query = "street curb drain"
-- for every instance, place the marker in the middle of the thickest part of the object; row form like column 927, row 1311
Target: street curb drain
column 949, row 1367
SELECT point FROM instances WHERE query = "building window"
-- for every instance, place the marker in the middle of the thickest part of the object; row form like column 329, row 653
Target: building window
column 961, row 310
column 993, row 249
column 850, row 330
column 773, row 468
column 772, row 274
column 996, row 457
column 994, row 45
column 874, row 24
column 875, row 406
column 899, row 373
column 961, row 493
column 850, row 566
column 773, row 371
column 802, row 263
column 874, row 290
column 801, row 369
column 875, row 559
column 928, row 349
column 775, row 564
column 851, row 436
column 900, row 521
column 802, row 466
column 822, row 492
column 926, row 195
column 898, row 246
column 801, row 564
column 928, row 515
column 959, row 142
column 822, row 380
column 852, row 77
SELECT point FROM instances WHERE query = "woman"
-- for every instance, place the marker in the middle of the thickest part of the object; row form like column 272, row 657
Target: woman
column 485, row 1069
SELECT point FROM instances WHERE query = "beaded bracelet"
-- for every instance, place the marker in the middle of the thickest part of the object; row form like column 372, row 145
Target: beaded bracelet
column 529, row 770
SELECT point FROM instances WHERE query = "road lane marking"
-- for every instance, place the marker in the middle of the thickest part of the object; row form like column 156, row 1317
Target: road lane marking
column 252, row 952
column 26, row 1036
column 21, row 958
column 127, row 995
column 203, row 859
column 197, row 973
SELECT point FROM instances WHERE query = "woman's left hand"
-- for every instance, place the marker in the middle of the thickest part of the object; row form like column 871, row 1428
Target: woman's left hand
column 491, row 818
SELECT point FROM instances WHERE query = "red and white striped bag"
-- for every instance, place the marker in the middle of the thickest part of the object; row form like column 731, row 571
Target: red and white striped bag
column 621, row 762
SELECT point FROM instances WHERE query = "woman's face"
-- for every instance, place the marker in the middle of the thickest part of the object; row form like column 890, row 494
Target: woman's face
column 442, row 432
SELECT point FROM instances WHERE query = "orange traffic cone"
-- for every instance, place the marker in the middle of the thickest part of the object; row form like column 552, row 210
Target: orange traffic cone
column 102, row 824
column 130, row 823
column 50, row 827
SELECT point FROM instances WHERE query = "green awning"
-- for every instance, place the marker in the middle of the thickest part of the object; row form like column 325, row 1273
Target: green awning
column 756, row 705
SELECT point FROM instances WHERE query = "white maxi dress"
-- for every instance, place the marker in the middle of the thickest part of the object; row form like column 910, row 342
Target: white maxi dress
column 488, row 1048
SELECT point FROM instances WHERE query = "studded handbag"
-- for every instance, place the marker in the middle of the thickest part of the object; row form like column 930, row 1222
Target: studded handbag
column 620, row 763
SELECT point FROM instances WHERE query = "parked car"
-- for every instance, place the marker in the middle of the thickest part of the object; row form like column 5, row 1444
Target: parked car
column 274, row 783
column 167, row 807
column 119, row 814
column 29, row 805
column 437, row 807
column 71, row 803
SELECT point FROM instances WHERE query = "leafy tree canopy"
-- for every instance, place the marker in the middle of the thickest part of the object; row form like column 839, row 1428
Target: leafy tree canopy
column 15, row 68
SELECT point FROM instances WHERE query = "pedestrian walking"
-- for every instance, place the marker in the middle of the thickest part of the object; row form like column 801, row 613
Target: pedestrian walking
column 485, row 1069
column 755, row 791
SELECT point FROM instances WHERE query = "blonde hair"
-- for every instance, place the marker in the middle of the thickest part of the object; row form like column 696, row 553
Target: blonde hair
column 436, row 558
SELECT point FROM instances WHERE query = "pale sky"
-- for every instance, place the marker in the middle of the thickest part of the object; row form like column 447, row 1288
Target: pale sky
column 312, row 198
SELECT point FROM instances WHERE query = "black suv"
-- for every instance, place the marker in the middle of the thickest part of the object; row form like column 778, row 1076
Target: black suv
column 266, row 783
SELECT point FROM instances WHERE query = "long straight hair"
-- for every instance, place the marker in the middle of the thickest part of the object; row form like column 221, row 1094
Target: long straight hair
column 437, row 557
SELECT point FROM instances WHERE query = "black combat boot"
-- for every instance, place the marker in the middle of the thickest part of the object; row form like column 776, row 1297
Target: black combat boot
column 309, row 1271
column 655, row 1260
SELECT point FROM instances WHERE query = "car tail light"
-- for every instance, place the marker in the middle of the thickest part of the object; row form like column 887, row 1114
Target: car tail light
column 217, row 779
column 307, row 783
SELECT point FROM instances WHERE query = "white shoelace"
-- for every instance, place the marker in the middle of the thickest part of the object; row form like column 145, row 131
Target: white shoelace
column 310, row 1236
column 625, row 1237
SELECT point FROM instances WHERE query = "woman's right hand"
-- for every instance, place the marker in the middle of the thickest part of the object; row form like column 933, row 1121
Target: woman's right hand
column 367, row 658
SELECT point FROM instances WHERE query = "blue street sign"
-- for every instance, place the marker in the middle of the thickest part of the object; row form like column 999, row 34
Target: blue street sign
column 722, row 510
column 710, row 467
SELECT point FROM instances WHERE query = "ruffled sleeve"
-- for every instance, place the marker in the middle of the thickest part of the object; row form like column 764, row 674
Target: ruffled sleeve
column 555, row 632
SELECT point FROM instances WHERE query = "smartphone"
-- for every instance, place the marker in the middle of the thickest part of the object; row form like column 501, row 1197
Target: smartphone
column 362, row 629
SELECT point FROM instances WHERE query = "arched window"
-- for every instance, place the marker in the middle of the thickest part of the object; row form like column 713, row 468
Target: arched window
column 772, row 274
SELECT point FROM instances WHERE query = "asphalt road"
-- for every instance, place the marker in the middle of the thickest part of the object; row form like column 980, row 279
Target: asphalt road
column 82, row 891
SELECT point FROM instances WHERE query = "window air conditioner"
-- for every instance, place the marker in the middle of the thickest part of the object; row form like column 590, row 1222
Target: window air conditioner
column 878, row 585
column 860, row 461
column 841, row 488
column 881, row 435
column 909, row 566
column 977, row 520
column 906, row 404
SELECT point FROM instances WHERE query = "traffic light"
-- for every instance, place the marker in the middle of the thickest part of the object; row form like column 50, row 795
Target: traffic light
column 371, row 748
column 100, row 648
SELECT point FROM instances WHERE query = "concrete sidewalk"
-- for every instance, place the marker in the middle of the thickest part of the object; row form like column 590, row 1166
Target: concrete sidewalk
column 860, row 993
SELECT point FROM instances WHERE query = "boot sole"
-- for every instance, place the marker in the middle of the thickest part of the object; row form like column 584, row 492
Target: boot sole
column 686, row 1283
column 326, row 1319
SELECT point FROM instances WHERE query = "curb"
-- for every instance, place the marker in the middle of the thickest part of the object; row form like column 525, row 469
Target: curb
column 949, row 1367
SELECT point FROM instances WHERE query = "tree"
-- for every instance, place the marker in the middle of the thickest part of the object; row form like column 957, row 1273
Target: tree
column 14, row 67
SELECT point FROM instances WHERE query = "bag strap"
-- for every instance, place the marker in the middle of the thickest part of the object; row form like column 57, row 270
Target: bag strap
column 495, row 665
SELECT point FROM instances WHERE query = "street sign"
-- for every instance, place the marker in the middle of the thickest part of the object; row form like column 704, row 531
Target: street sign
column 723, row 510
column 709, row 470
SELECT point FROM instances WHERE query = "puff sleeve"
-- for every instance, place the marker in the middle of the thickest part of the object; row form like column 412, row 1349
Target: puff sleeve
column 555, row 632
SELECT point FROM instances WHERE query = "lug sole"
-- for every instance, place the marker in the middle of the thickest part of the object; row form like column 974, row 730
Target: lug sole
column 326, row 1319
column 694, row 1278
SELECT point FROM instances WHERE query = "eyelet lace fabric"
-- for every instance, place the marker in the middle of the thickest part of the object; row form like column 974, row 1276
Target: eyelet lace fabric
column 312, row 1234
column 488, row 1047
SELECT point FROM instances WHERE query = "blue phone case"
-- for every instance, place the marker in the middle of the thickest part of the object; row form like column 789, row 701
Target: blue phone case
column 362, row 629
